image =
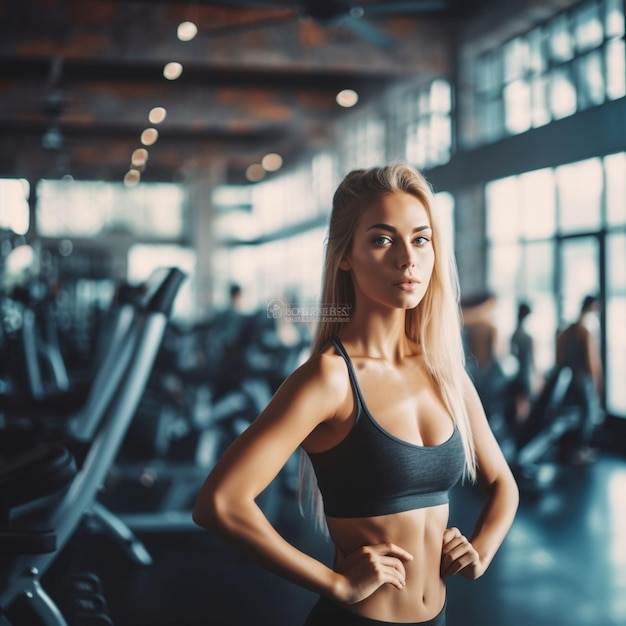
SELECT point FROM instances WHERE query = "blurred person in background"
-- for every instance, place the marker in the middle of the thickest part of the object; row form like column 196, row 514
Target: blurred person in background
column 522, row 348
column 480, row 337
column 577, row 347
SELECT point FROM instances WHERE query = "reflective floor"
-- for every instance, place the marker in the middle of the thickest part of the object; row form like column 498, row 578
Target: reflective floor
column 564, row 563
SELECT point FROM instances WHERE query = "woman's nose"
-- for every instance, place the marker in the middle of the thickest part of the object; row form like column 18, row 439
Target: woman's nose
column 406, row 256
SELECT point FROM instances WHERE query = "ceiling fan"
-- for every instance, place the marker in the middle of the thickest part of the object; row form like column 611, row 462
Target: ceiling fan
column 328, row 13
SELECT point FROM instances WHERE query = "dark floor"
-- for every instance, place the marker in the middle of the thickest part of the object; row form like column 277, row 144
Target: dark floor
column 563, row 563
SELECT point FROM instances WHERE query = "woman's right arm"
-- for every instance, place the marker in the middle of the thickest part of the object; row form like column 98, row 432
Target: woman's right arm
column 307, row 400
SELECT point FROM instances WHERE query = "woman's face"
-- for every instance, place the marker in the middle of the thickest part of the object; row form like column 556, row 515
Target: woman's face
column 392, row 256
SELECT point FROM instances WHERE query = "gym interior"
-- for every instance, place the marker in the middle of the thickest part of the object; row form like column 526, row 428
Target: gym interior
column 166, row 177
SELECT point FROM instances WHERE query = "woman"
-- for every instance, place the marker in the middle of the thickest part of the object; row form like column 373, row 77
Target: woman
column 387, row 416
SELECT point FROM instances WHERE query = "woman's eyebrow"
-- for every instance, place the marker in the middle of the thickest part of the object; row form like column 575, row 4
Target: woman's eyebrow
column 394, row 230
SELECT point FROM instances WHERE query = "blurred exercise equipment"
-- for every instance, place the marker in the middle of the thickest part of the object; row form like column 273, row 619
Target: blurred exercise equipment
column 23, row 601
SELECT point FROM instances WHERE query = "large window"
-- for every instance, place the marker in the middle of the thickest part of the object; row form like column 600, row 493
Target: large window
column 444, row 204
column 552, row 234
column 91, row 209
column 274, row 247
column 579, row 188
column 288, row 269
column 363, row 142
column 427, row 119
column 14, row 214
column 615, row 172
column 579, row 273
column 98, row 231
column 521, row 221
column 615, row 321
column 572, row 62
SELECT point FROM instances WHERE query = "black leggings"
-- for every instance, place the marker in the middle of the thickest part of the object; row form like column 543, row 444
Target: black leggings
column 328, row 613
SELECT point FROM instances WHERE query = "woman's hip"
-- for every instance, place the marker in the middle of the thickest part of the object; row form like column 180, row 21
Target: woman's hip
column 328, row 613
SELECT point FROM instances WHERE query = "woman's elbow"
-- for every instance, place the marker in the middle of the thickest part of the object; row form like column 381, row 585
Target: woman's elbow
column 202, row 513
column 511, row 489
column 210, row 510
column 505, row 489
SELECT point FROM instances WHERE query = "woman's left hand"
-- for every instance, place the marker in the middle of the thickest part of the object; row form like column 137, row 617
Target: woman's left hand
column 459, row 556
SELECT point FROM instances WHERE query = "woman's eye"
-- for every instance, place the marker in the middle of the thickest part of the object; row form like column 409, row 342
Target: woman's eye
column 381, row 240
column 420, row 241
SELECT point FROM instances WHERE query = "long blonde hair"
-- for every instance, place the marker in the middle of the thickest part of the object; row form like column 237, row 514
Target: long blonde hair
column 435, row 323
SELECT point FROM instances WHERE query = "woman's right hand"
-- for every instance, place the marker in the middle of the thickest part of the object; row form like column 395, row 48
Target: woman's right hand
column 368, row 568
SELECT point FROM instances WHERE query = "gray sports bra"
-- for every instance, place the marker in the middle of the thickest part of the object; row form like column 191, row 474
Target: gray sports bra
column 371, row 472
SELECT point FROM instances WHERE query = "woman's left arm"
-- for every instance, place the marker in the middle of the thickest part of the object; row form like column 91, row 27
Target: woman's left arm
column 471, row 557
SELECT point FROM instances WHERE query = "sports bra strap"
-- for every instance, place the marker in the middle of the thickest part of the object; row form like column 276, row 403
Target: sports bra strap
column 351, row 373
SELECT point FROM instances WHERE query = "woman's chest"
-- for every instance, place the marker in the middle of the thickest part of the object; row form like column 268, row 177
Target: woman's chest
column 405, row 402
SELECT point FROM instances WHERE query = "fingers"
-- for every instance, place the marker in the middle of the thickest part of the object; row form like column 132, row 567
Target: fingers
column 385, row 553
column 391, row 570
column 369, row 567
column 392, row 558
column 450, row 533
column 391, row 549
column 387, row 561
column 457, row 553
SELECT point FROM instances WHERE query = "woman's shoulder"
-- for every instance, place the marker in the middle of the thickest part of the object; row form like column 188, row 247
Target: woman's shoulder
column 320, row 387
column 326, row 368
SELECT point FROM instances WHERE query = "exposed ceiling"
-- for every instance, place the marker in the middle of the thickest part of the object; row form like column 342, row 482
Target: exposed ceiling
column 79, row 77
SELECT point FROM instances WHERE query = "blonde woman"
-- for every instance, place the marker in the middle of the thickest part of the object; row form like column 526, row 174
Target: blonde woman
column 387, row 417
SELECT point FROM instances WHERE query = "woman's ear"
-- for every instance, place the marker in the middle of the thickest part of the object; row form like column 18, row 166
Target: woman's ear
column 344, row 264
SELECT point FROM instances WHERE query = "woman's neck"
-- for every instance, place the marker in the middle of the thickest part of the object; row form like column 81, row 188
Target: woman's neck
column 378, row 334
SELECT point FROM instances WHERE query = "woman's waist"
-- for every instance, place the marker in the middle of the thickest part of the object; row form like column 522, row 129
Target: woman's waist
column 418, row 527
column 419, row 532
column 419, row 601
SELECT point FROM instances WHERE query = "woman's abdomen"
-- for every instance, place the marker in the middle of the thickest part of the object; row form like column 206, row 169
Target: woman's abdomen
column 420, row 532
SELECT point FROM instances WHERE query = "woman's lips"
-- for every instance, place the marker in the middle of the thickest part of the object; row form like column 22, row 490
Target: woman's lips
column 407, row 284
